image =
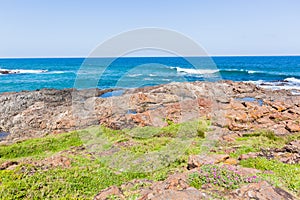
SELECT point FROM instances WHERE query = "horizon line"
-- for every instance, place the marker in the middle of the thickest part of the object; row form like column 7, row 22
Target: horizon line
column 154, row 56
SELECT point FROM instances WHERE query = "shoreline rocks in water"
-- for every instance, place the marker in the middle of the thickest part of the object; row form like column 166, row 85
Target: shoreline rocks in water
column 37, row 113
column 6, row 71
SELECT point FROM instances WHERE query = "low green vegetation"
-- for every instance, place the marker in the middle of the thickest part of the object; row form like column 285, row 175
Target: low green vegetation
column 106, row 160
column 40, row 146
column 221, row 176
column 278, row 173
column 254, row 142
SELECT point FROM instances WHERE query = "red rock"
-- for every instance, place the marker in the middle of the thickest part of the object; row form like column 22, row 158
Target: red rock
column 188, row 194
column 195, row 161
column 265, row 120
column 247, row 156
column 292, row 126
column 261, row 190
column 236, row 105
column 239, row 127
column 8, row 164
column 230, row 137
column 109, row 192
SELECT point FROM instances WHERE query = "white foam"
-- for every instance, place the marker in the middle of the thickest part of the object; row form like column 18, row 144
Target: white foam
column 57, row 72
column 296, row 93
column 293, row 80
column 148, row 79
column 135, row 75
column 196, row 71
column 287, row 84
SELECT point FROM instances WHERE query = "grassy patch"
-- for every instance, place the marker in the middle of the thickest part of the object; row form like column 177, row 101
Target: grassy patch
column 91, row 172
column 254, row 142
column 280, row 174
column 40, row 146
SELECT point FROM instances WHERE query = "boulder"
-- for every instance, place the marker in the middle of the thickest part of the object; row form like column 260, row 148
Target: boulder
column 261, row 190
column 108, row 193
column 292, row 126
column 195, row 161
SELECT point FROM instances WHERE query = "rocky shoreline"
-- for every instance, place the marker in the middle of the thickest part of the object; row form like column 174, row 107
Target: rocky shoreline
column 233, row 106
column 249, row 124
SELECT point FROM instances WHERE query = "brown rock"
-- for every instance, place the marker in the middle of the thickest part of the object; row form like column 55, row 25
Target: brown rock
column 195, row 161
column 236, row 105
column 230, row 137
column 8, row 164
column 245, row 171
column 109, row 192
column 231, row 161
column 292, row 126
column 265, row 120
column 256, row 114
column 239, row 127
column 262, row 190
column 188, row 194
column 54, row 161
column 176, row 182
column 293, row 147
column 247, row 156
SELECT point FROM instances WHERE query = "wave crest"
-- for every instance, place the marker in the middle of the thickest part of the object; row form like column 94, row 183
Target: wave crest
column 195, row 71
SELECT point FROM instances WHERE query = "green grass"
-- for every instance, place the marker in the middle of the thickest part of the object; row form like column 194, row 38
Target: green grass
column 254, row 142
column 280, row 174
column 89, row 173
column 40, row 146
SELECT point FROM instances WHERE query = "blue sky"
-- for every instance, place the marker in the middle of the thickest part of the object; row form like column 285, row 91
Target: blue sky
column 64, row 28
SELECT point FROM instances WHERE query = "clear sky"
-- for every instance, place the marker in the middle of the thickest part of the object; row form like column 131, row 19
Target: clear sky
column 64, row 28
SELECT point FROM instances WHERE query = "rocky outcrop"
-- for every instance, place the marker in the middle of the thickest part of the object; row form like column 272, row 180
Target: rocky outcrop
column 233, row 106
column 261, row 190
column 177, row 187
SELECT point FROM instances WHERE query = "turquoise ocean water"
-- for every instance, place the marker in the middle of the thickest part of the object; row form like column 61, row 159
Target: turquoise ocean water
column 276, row 72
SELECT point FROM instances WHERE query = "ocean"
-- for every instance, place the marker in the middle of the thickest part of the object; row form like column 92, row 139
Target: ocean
column 275, row 72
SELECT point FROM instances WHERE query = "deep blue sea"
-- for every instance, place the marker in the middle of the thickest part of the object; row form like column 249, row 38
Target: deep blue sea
column 276, row 72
